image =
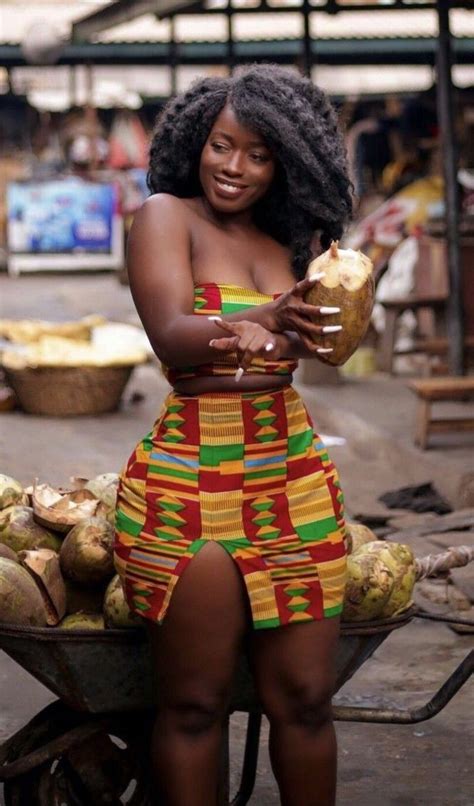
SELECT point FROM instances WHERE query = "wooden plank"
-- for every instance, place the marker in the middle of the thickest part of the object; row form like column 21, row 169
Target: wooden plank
column 448, row 388
column 435, row 346
column 441, row 425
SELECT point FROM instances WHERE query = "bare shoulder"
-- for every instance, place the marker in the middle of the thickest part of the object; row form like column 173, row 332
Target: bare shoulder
column 159, row 236
column 163, row 204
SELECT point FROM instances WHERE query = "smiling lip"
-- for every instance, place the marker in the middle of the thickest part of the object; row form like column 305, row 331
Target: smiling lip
column 229, row 190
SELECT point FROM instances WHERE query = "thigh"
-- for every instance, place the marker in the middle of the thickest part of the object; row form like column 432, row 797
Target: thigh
column 295, row 666
column 196, row 647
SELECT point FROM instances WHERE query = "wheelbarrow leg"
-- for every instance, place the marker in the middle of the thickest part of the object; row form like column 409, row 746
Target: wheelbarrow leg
column 249, row 766
column 224, row 766
column 249, row 769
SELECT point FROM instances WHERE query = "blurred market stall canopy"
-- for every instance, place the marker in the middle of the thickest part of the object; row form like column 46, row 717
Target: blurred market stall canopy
column 345, row 45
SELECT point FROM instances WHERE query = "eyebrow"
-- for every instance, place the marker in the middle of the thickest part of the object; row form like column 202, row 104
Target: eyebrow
column 260, row 143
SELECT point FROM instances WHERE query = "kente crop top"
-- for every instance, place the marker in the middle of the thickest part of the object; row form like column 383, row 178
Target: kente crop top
column 211, row 299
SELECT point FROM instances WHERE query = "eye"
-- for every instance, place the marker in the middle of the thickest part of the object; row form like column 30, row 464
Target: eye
column 259, row 157
column 219, row 146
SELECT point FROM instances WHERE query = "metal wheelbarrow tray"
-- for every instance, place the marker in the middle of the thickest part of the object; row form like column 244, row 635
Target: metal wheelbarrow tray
column 104, row 682
column 102, row 671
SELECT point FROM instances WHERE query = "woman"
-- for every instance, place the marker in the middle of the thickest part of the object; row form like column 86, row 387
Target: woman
column 230, row 518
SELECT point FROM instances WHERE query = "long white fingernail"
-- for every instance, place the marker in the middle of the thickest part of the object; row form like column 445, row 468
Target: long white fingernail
column 324, row 310
column 324, row 350
column 215, row 318
column 318, row 276
column 238, row 374
column 269, row 347
column 332, row 328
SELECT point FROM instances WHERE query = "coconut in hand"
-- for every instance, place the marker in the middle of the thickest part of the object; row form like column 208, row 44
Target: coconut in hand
column 347, row 284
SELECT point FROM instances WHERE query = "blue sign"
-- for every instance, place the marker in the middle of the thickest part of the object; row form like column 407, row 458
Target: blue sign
column 65, row 215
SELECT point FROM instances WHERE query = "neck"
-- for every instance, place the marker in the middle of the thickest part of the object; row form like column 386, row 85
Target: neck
column 228, row 221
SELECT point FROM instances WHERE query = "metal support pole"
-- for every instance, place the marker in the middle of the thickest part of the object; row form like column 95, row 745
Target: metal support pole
column 173, row 63
column 72, row 85
column 230, row 37
column 307, row 55
column 444, row 62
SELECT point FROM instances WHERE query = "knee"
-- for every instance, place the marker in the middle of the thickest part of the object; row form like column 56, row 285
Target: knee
column 305, row 704
column 193, row 715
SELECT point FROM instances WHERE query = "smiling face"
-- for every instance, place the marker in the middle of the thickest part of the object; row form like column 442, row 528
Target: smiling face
column 236, row 167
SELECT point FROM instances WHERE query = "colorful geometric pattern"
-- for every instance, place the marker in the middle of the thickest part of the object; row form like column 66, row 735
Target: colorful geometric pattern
column 244, row 470
column 213, row 299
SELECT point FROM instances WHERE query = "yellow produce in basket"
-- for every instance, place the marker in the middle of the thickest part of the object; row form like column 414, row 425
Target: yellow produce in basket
column 56, row 351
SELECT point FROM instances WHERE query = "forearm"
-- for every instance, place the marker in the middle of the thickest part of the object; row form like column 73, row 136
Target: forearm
column 185, row 341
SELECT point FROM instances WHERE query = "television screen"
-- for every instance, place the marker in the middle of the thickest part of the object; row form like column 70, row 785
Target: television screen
column 63, row 223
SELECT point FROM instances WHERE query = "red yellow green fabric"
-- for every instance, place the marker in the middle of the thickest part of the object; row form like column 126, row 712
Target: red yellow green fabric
column 246, row 471
column 213, row 299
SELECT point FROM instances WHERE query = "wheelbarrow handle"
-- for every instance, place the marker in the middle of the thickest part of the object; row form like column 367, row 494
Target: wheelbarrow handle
column 54, row 748
column 348, row 713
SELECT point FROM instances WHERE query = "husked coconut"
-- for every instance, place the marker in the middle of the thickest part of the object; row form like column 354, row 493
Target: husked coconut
column 11, row 492
column 87, row 552
column 43, row 565
column 20, row 600
column 82, row 621
column 348, row 284
column 400, row 560
column 62, row 509
column 359, row 535
column 368, row 587
column 19, row 531
column 116, row 610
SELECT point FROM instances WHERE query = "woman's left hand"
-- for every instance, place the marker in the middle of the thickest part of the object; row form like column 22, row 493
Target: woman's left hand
column 248, row 339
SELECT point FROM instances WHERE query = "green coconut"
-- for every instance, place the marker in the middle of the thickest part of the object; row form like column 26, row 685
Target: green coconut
column 368, row 587
column 116, row 610
column 399, row 558
column 20, row 532
column 359, row 535
column 104, row 487
column 87, row 552
column 11, row 492
column 7, row 553
column 82, row 621
column 20, row 600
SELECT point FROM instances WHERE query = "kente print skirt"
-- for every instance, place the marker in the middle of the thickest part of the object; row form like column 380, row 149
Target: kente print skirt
column 247, row 471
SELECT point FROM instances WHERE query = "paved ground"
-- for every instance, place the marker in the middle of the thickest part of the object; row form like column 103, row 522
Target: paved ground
column 427, row 764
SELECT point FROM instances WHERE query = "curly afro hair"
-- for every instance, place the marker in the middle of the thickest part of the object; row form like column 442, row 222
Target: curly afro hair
column 311, row 191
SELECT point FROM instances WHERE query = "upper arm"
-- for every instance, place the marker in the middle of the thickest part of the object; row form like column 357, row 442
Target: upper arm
column 159, row 266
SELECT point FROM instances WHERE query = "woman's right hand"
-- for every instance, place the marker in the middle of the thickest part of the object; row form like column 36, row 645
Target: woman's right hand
column 292, row 313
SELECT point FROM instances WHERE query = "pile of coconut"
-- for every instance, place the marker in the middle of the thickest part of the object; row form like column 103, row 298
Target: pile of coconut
column 57, row 569
column 56, row 555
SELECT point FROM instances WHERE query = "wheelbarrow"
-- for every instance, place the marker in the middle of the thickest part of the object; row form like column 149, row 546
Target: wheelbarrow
column 91, row 745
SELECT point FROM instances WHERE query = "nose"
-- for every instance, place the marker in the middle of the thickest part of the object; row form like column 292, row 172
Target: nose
column 234, row 164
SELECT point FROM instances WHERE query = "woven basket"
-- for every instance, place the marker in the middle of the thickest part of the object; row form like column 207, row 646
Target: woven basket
column 68, row 391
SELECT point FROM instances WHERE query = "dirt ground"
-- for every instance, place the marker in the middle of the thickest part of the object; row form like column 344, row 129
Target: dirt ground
column 429, row 764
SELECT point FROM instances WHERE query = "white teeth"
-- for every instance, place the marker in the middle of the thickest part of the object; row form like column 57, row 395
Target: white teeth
column 230, row 188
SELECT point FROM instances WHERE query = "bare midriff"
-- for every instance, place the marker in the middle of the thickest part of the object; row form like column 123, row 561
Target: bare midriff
column 249, row 383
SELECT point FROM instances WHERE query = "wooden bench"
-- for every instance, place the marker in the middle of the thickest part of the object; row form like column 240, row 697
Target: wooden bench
column 428, row 302
column 393, row 309
column 430, row 390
